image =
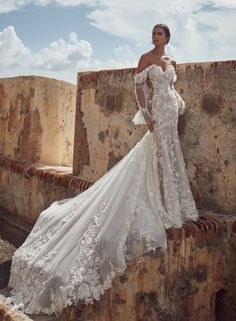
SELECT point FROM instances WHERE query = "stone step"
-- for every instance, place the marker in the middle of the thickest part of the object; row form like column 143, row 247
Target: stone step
column 7, row 314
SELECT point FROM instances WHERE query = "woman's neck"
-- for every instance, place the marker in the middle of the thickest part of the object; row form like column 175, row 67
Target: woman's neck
column 157, row 51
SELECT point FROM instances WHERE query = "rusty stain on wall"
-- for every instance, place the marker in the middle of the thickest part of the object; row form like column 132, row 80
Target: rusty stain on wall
column 2, row 96
column 37, row 116
column 29, row 146
column 211, row 103
column 113, row 160
column 80, row 138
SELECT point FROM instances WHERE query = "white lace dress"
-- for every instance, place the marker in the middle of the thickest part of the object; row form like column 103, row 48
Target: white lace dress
column 77, row 246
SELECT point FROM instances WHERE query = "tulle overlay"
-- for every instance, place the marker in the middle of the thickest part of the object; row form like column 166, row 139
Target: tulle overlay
column 78, row 245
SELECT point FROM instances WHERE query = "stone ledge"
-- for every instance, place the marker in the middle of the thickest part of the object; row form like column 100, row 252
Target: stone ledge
column 207, row 230
column 7, row 314
column 88, row 79
column 45, row 173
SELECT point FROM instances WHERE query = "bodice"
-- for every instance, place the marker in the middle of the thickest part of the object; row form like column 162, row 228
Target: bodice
column 155, row 91
column 161, row 79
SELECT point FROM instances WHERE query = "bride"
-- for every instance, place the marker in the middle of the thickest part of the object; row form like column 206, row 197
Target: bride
column 78, row 245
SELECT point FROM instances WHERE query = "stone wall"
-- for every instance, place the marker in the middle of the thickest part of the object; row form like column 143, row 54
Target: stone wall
column 32, row 130
column 37, row 117
column 27, row 189
column 193, row 281
column 103, row 129
column 104, row 132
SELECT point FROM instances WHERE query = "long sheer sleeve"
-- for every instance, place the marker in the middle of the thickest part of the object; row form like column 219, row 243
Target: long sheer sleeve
column 143, row 116
column 180, row 101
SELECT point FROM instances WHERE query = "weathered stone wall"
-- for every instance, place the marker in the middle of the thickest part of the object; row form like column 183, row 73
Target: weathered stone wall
column 104, row 132
column 37, row 119
column 193, row 281
column 208, row 132
column 27, row 189
column 103, row 129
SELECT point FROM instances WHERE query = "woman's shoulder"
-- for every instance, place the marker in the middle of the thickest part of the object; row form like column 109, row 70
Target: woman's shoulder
column 144, row 62
column 147, row 55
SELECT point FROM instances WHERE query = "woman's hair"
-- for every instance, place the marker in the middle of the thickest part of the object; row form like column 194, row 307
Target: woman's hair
column 165, row 28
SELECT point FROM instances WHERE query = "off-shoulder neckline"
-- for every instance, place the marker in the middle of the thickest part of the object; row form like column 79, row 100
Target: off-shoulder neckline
column 155, row 65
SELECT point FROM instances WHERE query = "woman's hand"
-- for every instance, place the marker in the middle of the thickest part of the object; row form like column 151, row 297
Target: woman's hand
column 151, row 126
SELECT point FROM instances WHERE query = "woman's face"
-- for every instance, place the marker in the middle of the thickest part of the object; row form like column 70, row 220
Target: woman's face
column 159, row 36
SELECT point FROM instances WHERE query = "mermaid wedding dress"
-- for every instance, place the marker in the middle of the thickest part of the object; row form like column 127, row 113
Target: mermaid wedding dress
column 78, row 245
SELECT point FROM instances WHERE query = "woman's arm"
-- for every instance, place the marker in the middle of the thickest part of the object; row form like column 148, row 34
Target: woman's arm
column 143, row 63
column 141, row 91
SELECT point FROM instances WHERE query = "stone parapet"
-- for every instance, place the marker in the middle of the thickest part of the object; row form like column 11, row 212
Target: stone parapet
column 104, row 132
column 26, row 189
column 46, row 173
column 37, row 117
column 194, row 280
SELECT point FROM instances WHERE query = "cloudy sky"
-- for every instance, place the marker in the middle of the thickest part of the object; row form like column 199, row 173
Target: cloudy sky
column 57, row 38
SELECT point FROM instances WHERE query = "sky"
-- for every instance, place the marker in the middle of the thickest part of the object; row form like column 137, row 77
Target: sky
column 58, row 38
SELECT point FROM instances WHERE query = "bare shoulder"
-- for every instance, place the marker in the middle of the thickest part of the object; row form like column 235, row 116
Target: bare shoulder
column 144, row 62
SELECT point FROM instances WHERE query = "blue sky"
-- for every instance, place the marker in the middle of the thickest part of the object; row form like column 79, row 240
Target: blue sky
column 57, row 38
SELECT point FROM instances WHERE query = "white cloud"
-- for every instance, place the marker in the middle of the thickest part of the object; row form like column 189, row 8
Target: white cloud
column 11, row 5
column 220, row 36
column 58, row 60
column 124, row 57
column 12, row 50
column 230, row 4
column 124, row 53
column 61, row 54
column 61, row 59
column 134, row 19
column 199, row 31
column 131, row 7
column 198, row 28
column 75, row 3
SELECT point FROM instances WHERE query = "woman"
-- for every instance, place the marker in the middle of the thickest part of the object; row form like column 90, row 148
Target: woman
column 77, row 246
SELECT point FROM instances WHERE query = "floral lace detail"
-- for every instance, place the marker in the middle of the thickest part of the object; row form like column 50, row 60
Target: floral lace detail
column 160, row 90
column 142, row 95
column 77, row 247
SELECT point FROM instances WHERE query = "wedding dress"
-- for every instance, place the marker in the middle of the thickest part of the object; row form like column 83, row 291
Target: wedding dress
column 78, row 245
